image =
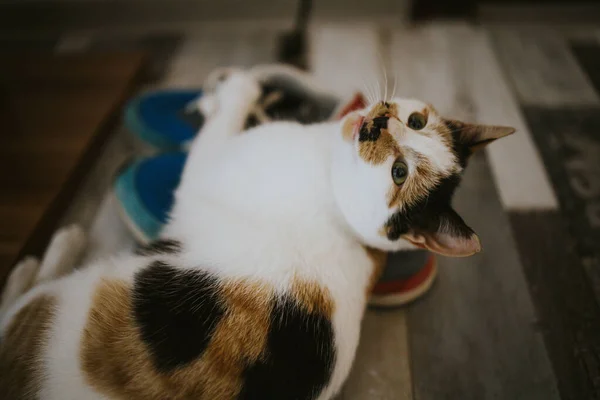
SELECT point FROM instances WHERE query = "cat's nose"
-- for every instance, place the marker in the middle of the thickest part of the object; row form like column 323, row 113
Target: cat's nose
column 380, row 122
column 370, row 130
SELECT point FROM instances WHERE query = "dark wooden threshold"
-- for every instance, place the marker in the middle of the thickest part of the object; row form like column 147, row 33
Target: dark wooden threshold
column 61, row 15
column 56, row 112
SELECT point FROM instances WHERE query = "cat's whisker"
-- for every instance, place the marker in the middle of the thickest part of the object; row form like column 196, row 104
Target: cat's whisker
column 378, row 89
column 366, row 89
column 373, row 86
column 383, row 67
column 385, row 84
column 371, row 91
column 395, row 83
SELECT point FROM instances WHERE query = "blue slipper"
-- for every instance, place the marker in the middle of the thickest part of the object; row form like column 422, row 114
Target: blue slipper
column 145, row 191
column 168, row 119
column 163, row 118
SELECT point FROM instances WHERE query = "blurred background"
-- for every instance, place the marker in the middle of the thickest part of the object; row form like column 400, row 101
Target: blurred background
column 519, row 321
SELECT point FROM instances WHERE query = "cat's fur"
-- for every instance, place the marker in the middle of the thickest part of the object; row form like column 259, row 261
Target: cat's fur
column 258, row 287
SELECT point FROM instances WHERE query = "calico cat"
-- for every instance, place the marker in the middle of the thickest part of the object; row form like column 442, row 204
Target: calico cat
column 258, row 285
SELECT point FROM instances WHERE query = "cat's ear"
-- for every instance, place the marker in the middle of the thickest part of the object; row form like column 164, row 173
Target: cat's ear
column 475, row 136
column 448, row 236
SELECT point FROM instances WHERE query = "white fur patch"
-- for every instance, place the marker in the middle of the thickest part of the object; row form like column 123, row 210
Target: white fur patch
column 436, row 151
column 425, row 142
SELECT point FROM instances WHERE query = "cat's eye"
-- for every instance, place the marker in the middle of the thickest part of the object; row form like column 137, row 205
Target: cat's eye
column 417, row 121
column 399, row 172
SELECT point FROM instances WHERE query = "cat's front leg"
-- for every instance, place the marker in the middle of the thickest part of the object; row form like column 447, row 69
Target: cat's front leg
column 227, row 110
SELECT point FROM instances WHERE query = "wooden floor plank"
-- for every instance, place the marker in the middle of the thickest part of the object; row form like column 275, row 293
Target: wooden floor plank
column 542, row 67
column 203, row 51
column 474, row 335
column 569, row 313
column 517, row 155
column 382, row 360
column 346, row 58
column 428, row 62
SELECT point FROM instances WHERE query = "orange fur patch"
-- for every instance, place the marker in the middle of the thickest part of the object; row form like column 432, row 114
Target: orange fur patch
column 419, row 182
column 381, row 109
column 113, row 358
column 117, row 363
column 239, row 339
column 313, row 297
column 22, row 347
column 376, row 152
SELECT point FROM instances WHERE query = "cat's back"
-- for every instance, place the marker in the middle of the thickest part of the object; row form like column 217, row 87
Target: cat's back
column 155, row 330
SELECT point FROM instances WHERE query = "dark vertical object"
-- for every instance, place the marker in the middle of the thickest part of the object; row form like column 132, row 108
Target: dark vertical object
column 293, row 47
column 423, row 10
column 588, row 55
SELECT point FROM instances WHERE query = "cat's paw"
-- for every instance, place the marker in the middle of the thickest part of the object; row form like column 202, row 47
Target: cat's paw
column 240, row 89
column 207, row 104
column 217, row 77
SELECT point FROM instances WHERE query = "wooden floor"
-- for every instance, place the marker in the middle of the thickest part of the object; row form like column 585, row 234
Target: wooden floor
column 487, row 329
column 55, row 113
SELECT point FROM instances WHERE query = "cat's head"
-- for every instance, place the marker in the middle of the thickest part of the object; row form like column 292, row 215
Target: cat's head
column 395, row 170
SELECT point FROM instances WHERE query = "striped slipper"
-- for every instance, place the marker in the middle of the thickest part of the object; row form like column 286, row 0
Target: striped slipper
column 164, row 119
column 168, row 120
column 144, row 191
column 407, row 276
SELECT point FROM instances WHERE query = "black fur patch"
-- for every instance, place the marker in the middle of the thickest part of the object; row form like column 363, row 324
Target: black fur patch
column 161, row 246
column 299, row 358
column 176, row 312
column 462, row 150
column 429, row 213
column 372, row 134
